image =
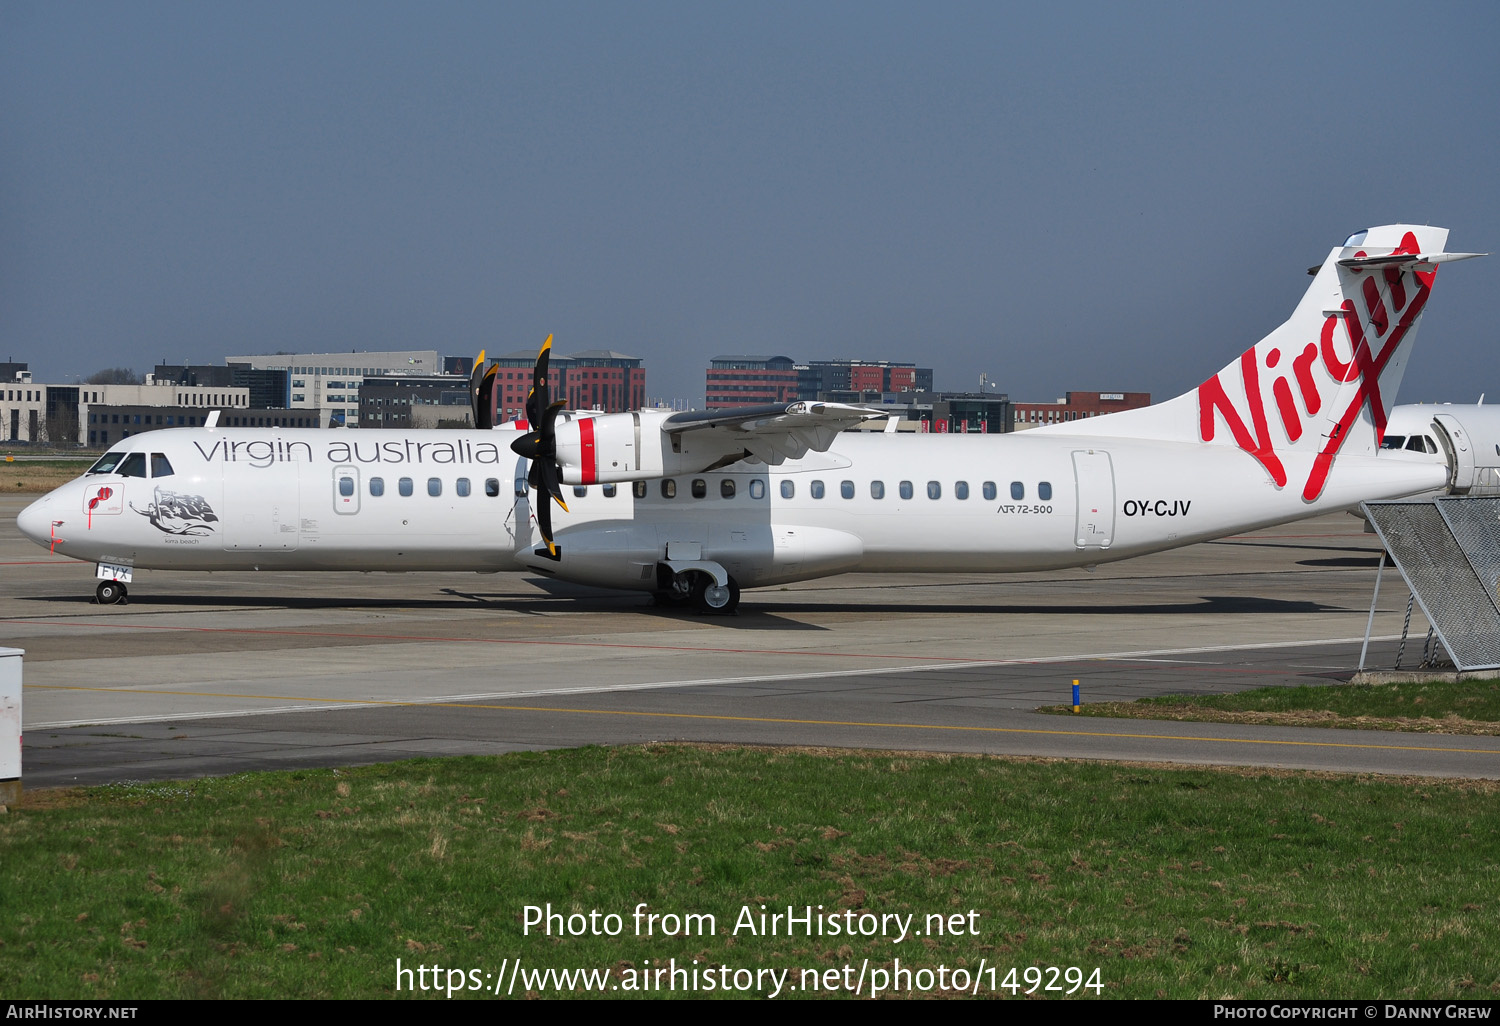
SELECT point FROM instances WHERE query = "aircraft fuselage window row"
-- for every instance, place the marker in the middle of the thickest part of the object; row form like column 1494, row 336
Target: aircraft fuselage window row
column 727, row 488
column 405, row 486
column 817, row 489
column 463, row 487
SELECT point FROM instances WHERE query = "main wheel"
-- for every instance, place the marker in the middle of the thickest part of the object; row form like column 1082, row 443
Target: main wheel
column 110, row 592
column 711, row 598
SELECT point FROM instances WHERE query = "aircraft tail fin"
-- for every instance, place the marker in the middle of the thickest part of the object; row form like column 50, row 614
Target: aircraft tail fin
column 1323, row 382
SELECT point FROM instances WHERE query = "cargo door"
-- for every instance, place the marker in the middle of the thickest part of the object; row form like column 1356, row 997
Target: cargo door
column 1095, row 477
column 262, row 507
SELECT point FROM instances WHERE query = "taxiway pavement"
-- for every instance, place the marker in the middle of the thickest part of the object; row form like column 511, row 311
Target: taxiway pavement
column 217, row 673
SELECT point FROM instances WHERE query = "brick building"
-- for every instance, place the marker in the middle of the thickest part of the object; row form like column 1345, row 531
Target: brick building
column 817, row 377
column 613, row 382
column 749, row 381
column 1077, row 406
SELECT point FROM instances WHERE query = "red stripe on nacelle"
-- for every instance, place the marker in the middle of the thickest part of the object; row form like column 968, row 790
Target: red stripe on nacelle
column 589, row 456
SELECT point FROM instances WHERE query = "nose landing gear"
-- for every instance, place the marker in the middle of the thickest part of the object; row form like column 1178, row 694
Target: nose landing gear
column 110, row 592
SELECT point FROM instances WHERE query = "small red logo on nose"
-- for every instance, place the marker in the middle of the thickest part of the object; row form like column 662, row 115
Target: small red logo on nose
column 102, row 494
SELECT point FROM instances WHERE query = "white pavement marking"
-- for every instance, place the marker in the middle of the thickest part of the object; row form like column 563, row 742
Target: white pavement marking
column 307, row 705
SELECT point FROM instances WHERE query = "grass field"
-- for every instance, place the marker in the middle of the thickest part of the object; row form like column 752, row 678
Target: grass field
column 1190, row 883
column 1466, row 707
column 36, row 477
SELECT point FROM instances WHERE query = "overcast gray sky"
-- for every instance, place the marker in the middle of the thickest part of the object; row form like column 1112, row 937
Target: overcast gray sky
column 1117, row 196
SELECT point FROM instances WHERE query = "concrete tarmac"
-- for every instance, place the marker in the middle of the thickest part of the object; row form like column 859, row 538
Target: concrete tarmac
column 216, row 673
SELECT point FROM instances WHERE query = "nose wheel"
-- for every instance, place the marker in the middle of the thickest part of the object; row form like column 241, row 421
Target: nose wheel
column 110, row 592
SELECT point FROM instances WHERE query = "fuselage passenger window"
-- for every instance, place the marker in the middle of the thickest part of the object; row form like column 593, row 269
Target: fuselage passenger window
column 404, row 486
column 1044, row 491
column 700, row 488
column 934, row 490
column 877, row 489
column 989, row 490
column 668, row 488
column 961, row 490
column 346, row 486
column 757, row 488
column 377, row 486
column 726, row 488
column 906, row 490
column 817, row 489
column 788, row 489
column 579, row 491
column 638, row 489
column 1017, row 490
column 609, row 491
column 462, row 487
column 434, row 486
column 846, row 489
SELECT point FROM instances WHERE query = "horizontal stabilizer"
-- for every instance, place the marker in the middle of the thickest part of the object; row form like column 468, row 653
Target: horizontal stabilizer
column 1397, row 259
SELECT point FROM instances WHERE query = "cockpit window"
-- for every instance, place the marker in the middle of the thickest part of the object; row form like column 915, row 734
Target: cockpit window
column 1421, row 443
column 1358, row 238
column 107, row 463
column 134, row 465
column 160, row 465
column 1393, row 442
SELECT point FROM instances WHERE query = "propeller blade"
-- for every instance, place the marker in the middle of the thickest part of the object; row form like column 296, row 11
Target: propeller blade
column 475, row 376
column 552, row 483
column 539, row 445
column 484, row 412
column 544, row 521
column 539, row 398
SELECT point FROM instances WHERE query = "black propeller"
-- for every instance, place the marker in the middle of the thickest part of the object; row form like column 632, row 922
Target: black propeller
column 482, row 393
column 539, row 445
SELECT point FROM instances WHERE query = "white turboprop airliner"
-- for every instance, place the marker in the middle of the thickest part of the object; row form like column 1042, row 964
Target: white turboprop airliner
column 1465, row 438
column 693, row 506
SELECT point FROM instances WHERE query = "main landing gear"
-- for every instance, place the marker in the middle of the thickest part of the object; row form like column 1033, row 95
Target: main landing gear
column 110, row 592
column 710, row 597
column 699, row 589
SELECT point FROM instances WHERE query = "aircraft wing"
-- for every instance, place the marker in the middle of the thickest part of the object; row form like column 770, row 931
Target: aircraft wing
column 768, row 434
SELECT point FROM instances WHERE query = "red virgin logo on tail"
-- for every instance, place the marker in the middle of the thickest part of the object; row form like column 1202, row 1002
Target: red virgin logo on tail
column 1389, row 323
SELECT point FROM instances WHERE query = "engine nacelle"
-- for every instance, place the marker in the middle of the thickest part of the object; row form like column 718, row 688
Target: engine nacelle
column 615, row 447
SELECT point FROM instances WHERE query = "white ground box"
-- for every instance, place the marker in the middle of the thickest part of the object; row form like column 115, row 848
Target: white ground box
column 10, row 724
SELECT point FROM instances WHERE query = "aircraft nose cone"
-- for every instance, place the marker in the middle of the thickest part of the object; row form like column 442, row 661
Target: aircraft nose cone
column 35, row 521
